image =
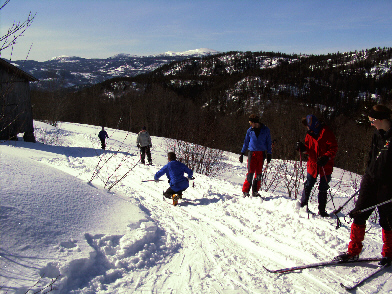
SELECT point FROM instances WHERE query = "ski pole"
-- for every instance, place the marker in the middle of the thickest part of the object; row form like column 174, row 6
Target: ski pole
column 326, row 181
column 335, row 212
column 369, row 208
column 144, row 181
column 341, row 207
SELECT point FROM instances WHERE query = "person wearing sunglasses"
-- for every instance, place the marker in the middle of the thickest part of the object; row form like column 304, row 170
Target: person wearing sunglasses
column 375, row 189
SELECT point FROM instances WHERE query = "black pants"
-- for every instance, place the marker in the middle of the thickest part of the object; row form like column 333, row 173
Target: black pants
column 169, row 193
column 143, row 151
column 370, row 194
column 103, row 145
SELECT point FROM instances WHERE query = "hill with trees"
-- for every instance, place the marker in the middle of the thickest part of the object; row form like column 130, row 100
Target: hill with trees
column 206, row 100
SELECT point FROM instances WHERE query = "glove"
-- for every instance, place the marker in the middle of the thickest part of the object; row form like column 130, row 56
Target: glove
column 156, row 180
column 269, row 157
column 353, row 213
column 241, row 158
column 300, row 147
column 138, row 145
column 321, row 161
column 150, row 145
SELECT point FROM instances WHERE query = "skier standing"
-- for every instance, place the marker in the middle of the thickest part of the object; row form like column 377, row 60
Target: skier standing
column 321, row 147
column 102, row 136
column 174, row 171
column 258, row 142
column 143, row 142
column 376, row 187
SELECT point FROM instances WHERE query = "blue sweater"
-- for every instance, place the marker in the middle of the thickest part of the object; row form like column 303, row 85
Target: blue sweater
column 260, row 143
column 175, row 170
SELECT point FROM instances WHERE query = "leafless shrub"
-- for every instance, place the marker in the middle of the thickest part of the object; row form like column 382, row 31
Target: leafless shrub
column 200, row 159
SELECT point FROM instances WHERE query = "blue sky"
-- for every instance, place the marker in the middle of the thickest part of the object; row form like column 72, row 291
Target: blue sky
column 103, row 28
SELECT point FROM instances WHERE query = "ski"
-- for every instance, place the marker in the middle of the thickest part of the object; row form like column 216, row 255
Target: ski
column 318, row 264
column 381, row 268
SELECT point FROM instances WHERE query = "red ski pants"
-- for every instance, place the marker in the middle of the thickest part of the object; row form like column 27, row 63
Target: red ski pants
column 387, row 246
column 255, row 169
column 358, row 234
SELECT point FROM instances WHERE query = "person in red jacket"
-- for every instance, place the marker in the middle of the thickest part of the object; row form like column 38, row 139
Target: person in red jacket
column 375, row 189
column 321, row 147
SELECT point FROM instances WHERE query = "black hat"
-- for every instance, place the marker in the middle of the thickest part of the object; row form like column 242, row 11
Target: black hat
column 380, row 112
column 254, row 118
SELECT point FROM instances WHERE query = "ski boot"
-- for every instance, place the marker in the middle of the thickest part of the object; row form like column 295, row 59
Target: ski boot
column 344, row 257
column 175, row 199
column 323, row 214
column 385, row 261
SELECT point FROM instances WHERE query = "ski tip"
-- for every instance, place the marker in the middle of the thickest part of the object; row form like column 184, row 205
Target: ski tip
column 268, row 270
column 272, row 271
column 346, row 287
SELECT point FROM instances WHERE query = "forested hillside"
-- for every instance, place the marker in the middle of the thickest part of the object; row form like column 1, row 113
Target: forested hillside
column 207, row 100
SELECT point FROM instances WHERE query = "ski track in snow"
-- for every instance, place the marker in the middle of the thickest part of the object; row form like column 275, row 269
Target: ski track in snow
column 214, row 241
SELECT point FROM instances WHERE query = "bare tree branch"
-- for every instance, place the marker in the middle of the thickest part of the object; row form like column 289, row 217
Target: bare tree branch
column 15, row 31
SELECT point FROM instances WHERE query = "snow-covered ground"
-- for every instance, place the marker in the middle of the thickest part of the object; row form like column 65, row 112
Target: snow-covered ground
column 61, row 233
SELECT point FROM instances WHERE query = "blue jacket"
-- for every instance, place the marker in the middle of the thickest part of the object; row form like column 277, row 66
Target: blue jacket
column 175, row 170
column 260, row 143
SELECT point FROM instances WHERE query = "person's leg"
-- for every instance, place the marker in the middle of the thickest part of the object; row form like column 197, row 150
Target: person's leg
column 309, row 183
column 258, row 168
column 148, row 152
column 367, row 197
column 385, row 212
column 142, row 154
column 169, row 193
column 323, row 194
column 249, row 176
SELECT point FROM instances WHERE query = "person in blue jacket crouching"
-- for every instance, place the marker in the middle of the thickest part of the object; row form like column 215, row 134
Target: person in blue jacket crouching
column 174, row 171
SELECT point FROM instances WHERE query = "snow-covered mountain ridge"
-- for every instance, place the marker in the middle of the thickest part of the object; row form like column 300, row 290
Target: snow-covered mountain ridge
column 72, row 71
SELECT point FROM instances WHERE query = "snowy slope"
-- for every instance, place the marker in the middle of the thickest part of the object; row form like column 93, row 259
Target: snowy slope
column 82, row 238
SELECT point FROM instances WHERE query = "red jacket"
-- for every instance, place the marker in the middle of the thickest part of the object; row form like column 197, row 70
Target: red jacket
column 325, row 144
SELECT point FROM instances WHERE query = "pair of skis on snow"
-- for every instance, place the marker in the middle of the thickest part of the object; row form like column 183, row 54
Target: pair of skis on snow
column 333, row 262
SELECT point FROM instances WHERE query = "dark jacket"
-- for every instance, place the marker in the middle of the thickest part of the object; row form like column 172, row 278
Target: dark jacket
column 316, row 146
column 103, row 135
column 174, row 171
column 380, row 157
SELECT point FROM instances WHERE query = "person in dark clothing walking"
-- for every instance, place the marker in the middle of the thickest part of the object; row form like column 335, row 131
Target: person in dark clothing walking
column 258, row 142
column 143, row 142
column 102, row 136
column 174, row 171
column 376, row 188
column 321, row 147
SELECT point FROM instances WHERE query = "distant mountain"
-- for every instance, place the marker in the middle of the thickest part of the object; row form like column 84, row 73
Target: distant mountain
column 76, row 72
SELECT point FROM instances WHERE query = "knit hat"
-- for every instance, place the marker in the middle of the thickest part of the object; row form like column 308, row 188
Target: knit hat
column 379, row 112
column 313, row 123
column 144, row 128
